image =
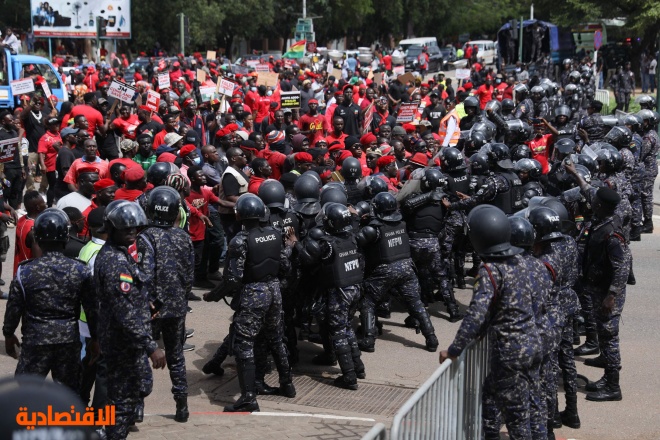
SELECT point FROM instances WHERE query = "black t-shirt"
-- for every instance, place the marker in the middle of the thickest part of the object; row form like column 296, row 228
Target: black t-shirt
column 285, row 85
column 65, row 158
column 434, row 115
column 351, row 116
column 230, row 185
column 152, row 126
column 34, row 129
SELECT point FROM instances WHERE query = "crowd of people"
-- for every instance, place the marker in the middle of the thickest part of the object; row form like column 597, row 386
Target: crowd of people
column 306, row 217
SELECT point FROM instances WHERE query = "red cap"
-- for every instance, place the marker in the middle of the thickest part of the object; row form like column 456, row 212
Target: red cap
column 144, row 107
column 385, row 161
column 132, row 174
column 176, row 64
column 336, row 146
column 166, row 157
column 227, row 129
column 425, row 85
column 409, row 128
column 303, row 157
column 313, row 101
column 187, row 102
column 186, row 150
column 420, row 159
column 103, row 184
column 345, row 154
column 87, row 169
column 339, row 93
column 368, row 139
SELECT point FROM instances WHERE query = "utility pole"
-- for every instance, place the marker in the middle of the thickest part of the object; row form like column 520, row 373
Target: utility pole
column 520, row 41
column 304, row 15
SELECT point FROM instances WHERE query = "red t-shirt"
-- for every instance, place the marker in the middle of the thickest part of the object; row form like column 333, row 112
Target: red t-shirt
column 127, row 126
column 22, row 252
column 330, row 138
column 254, row 184
column 539, row 147
column 316, row 122
column 94, row 117
column 262, row 108
column 127, row 194
column 485, row 94
column 387, row 61
column 276, row 161
column 46, row 147
column 201, row 202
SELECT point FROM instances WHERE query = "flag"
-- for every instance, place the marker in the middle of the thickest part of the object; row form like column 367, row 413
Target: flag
column 296, row 50
column 368, row 117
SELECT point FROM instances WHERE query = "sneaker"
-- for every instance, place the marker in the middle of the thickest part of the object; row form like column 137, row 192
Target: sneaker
column 190, row 332
column 188, row 347
column 189, row 309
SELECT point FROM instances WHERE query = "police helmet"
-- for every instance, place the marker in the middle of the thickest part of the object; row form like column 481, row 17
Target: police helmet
column 522, row 232
column 508, row 104
column 52, row 225
column 351, row 168
column 563, row 110
column 313, row 174
column 570, row 89
column 546, row 223
column 530, row 166
column 498, row 153
column 633, row 121
column 486, row 127
column 521, row 151
column 453, row 160
column 158, row 172
column 568, row 61
column 306, row 189
column 646, row 116
column 374, row 185
column 333, row 195
column 336, row 217
column 493, row 105
column 479, row 164
column 565, row 146
column 335, row 185
column 471, row 102
column 584, row 172
column 362, row 208
column 610, row 160
column 619, row 136
column 588, row 162
column 163, row 206
column 250, row 207
column 646, row 102
column 521, row 91
column 385, row 208
column 477, row 140
column 122, row 214
column 272, row 193
column 490, row 232
column 574, row 75
column 537, row 93
column 433, row 179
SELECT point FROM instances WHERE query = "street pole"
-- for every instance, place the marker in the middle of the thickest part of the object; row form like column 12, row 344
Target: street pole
column 181, row 36
column 520, row 41
column 50, row 48
column 531, row 12
column 304, row 15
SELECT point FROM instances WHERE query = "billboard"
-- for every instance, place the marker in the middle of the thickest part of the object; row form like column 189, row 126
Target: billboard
column 77, row 18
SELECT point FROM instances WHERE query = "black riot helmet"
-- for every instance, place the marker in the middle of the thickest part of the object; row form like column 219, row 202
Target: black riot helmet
column 633, row 121
column 508, row 105
column 563, row 110
column 158, row 172
column 498, row 153
column 486, row 127
column 336, row 218
column 433, row 179
column 333, row 195
column 522, row 232
column 588, row 162
column 52, row 225
column 306, row 189
column 530, row 166
column 546, row 223
column 647, row 117
column 479, row 164
column 565, row 146
column 521, row 151
column 163, row 206
column 374, row 185
column 272, row 193
column 537, row 93
column 250, row 207
column 646, row 102
column 517, row 131
column 574, row 76
column 351, row 168
column 453, row 160
column 521, row 91
column 471, row 102
column 476, row 140
column 570, row 90
column 122, row 214
column 493, row 105
column 362, row 208
column 583, row 172
column 336, row 185
column 490, row 232
column 619, row 136
column 384, row 207
column 611, row 161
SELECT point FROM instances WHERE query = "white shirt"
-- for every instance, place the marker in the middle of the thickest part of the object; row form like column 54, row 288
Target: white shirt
column 652, row 66
column 74, row 199
column 12, row 42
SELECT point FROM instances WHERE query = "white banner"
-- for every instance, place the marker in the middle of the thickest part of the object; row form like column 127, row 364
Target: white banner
column 225, row 87
column 462, row 73
column 122, row 91
column 21, row 86
column 164, row 81
column 77, row 19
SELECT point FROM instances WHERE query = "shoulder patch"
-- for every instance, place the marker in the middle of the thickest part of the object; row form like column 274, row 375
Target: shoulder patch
column 125, row 287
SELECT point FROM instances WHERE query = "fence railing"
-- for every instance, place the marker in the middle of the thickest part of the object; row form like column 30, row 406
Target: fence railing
column 448, row 405
column 378, row 432
column 603, row 95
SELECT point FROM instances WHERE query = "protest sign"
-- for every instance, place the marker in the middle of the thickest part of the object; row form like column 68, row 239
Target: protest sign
column 262, row 68
column 406, row 77
column 8, row 148
column 47, row 92
column 290, row 99
column 407, row 112
column 378, row 78
column 462, row 73
column 207, row 92
column 153, row 100
column 22, row 86
column 210, row 55
column 268, row 79
column 225, row 87
column 164, row 81
column 122, row 91
column 201, row 75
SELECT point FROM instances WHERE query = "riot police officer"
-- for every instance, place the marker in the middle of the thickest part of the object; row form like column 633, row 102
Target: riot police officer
column 541, row 107
column 351, row 171
column 256, row 256
column 389, row 267
column 524, row 106
column 125, row 340
column 529, row 171
column 167, row 259
column 648, row 156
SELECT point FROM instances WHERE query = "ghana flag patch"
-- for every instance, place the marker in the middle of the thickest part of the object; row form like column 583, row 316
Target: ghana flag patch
column 125, row 278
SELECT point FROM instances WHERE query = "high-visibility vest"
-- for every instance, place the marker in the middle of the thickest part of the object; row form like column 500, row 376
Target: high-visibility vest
column 442, row 131
column 86, row 254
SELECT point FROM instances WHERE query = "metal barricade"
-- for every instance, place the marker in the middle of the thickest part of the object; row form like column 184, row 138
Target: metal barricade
column 448, row 405
column 378, row 432
column 603, row 95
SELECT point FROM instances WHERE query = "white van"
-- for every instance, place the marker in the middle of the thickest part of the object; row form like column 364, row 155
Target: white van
column 487, row 50
column 422, row 41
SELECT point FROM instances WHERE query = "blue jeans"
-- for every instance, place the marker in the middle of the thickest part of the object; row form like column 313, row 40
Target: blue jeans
column 652, row 82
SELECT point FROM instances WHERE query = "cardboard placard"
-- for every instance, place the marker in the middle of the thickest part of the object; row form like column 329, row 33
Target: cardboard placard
column 268, row 79
column 201, row 75
column 21, row 86
column 290, row 99
column 370, row 75
column 47, row 92
column 207, row 92
column 225, row 87
column 407, row 112
column 8, row 149
column 153, row 100
column 252, row 63
column 462, row 73
column 378, row 78
column 122, row 91
column 210, row 55
column 164, row 81
column 262, row 68
column 337, row 74
column 406, row 77
column 399, row 70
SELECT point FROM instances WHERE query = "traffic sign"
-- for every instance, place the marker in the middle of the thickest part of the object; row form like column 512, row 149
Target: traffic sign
column 598, row 39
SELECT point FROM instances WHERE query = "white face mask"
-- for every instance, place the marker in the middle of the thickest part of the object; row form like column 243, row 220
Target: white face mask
column 268, row 93
column 254, row 89
column 197, row 160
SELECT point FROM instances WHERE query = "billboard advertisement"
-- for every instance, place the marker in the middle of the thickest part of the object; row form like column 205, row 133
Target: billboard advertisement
column 77, row 18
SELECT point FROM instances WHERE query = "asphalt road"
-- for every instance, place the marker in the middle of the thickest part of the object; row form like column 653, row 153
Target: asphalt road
column 399, row 365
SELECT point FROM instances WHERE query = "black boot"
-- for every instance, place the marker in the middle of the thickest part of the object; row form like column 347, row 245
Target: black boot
column 410, row 322
column 598, row 362
column 213, row 367
column 636, row 233
column 383, row 309
column 325, row 358
column 610, row 392
column 576, row 332
column 281, row 358
column 182, row 412
column 590, row 346
column 358, row 365
column 460, row 274
column 450, row 301
column 556, row 421
column 348, row 379
column 368, row 322
column 246, row 379
column 263, row 389
column 428, row 331
column 569, row 417
column 139, row 412
column 598, row 385
column 631, row 278
column 647, row 227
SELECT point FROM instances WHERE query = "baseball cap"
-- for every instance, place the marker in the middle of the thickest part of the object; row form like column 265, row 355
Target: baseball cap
column 69, row 130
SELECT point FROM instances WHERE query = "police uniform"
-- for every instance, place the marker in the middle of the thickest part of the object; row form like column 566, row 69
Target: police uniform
column 454, row 242
column 124, row 333
column 502, row 189
column 46, row 295
column 167, row 260
column 650, row 147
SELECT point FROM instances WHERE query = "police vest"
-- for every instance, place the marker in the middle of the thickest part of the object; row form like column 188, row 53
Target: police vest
column 596, row 266
column 393, row 244
column 282, row 219
column 510, row 201
column 344, row 269
column 263, row 254
column 565, row 132
column 531, row 189
column 553, row 186
column 354, row 194
column 428, row 219
column 457, row 181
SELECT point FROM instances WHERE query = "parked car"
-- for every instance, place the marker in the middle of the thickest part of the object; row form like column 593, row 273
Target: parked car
column 435, row 58
column 448, row 56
